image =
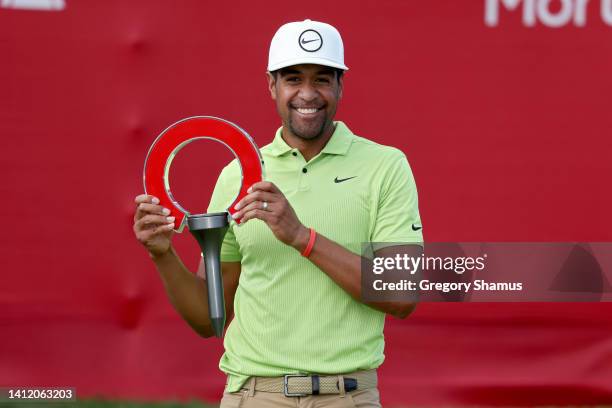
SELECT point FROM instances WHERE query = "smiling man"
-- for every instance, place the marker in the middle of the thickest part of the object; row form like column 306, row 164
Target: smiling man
column 301, row 334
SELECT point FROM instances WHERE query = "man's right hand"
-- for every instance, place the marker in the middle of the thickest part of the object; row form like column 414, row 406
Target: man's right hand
column 152, row 225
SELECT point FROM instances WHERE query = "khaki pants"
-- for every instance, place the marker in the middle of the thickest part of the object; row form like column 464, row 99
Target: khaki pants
column 249, row 398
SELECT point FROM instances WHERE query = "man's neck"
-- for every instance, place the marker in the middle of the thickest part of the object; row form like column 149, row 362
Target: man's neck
column 308, row 147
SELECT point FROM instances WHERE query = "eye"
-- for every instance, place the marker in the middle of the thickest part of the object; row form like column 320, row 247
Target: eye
column 292, row 79
column 323, row 80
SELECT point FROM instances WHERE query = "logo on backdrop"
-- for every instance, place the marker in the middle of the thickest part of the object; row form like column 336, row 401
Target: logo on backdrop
column 310, row 40
column 41, row 5
column 549, row 13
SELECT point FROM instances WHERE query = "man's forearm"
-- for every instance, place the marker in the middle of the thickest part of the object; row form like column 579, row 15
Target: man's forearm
column 186, row 292
column 344, row 268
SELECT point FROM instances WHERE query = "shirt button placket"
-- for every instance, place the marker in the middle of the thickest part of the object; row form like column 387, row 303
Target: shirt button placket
column 303, row 181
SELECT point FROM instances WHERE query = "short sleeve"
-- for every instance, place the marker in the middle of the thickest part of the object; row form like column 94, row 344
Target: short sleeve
column 224, row 193
column 397, row 216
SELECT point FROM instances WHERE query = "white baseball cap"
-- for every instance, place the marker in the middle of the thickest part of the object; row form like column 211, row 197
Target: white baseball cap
column 306, row 42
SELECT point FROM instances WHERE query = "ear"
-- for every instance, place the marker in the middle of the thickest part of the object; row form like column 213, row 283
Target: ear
column 271, row 85
column 340, row 86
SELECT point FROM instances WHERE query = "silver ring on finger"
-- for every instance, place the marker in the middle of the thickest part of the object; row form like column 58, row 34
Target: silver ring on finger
column 264, row 205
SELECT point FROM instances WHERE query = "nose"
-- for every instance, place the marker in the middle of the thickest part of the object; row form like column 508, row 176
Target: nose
column 307, row 92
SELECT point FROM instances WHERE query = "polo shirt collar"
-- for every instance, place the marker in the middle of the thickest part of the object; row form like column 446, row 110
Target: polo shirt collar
column 339, row 143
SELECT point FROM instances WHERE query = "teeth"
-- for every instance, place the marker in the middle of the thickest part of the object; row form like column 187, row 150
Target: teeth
column 307, row 110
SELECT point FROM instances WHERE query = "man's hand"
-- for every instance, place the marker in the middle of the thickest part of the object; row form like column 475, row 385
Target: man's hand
column 341, row 265
column 277, row 213
column 152, row 226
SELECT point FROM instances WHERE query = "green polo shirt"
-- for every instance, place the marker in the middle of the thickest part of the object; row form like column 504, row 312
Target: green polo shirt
column 289, row 316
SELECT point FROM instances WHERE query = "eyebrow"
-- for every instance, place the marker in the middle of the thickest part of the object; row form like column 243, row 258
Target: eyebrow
column 289, row 71
column 326, row 71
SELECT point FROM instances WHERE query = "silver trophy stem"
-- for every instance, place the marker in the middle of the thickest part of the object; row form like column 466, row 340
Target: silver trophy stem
column 209, row 230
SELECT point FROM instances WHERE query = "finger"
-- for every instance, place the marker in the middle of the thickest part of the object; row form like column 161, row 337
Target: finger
column 264, row 186
column 257, row 213
column 144, row 209
column 153, row 209
column 144, row 198
column 146, row 235
column 255, row 205
column 257, row 196
column 151, row 221
column 164, row 228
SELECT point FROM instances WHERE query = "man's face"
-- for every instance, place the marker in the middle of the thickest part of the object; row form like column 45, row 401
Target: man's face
column 306, row 98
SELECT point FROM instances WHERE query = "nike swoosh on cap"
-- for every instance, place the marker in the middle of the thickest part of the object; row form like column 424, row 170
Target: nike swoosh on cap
column 304, row 41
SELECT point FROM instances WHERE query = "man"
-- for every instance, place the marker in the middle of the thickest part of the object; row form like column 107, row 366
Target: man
column 292, row 269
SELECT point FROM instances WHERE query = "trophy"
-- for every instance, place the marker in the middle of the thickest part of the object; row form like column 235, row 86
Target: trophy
column 208, row 229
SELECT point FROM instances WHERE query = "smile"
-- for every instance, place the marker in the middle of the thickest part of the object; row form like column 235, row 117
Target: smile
column 307, row 111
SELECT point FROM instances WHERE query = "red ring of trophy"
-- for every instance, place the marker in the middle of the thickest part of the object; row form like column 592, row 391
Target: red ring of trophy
column 183, row 132
column 208, row 229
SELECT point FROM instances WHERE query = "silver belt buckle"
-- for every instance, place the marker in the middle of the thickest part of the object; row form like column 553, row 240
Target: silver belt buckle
column 286, row 386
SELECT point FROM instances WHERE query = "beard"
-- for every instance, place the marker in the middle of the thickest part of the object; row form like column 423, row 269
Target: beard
column 308, row 130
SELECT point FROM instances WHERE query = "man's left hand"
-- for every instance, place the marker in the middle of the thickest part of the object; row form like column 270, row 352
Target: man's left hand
column 266, row 202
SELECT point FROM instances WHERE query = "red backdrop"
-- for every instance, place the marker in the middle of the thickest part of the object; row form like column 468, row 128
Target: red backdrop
column 506, row 123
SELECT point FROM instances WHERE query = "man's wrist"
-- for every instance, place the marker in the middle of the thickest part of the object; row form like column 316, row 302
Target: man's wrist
column 161, row 256
column 301, row 239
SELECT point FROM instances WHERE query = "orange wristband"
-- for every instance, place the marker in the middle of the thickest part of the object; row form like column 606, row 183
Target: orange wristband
column 311, row 242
